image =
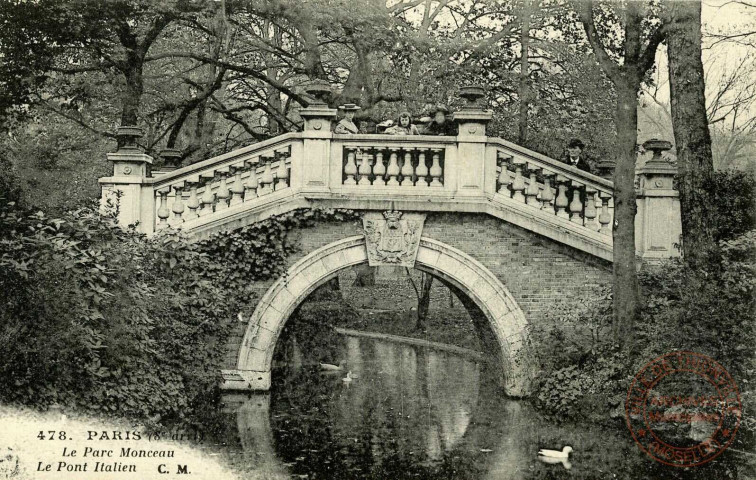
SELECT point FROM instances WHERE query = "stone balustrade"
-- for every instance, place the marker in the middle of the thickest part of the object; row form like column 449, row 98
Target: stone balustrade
column 470, row 172
column 554, row 188
column 206, row 191
column 375, row 165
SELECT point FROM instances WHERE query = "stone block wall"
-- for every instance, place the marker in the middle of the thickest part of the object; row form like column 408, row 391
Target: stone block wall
column 537, row 271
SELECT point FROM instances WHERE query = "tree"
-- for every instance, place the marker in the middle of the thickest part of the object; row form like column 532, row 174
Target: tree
column 691, row 129
column 626, row 63
column 524, row 88
column 423, row 298
column 365, row 276
column 222, row 75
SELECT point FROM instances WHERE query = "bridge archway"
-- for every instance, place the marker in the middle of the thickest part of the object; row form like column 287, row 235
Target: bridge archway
column 505, row 318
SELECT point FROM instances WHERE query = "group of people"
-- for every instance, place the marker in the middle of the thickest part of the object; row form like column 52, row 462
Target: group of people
column 441, row 125
column 438, row 125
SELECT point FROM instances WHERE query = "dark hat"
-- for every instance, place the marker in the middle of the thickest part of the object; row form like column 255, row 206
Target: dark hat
column 440, row 108
column 350, row 107
column 576, row 142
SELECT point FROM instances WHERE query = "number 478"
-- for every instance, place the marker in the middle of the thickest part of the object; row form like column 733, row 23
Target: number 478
column 51, row 435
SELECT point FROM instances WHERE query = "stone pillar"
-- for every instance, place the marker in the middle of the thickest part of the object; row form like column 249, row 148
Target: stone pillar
column 135, row 204
column 471, row 150
column 316, row 149
column 658, row 225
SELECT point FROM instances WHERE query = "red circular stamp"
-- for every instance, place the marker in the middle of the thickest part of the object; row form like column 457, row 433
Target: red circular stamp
column 683, row 409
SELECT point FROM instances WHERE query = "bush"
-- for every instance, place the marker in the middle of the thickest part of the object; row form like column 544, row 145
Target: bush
column 100, row 319
column 735, row 200
column 97, row 318
column 708, row 309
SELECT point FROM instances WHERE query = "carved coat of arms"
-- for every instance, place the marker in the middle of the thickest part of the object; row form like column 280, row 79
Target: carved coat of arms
column 393, row 237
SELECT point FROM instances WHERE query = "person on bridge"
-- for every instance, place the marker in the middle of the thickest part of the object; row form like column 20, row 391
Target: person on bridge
column 440, row 125
column 575, row 155
column 403, row 126
column 346, row 125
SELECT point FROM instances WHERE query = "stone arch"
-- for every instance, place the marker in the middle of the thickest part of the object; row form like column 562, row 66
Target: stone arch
column 505, row 317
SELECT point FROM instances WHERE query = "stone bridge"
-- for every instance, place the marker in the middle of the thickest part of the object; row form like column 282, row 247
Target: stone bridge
column 509, row 230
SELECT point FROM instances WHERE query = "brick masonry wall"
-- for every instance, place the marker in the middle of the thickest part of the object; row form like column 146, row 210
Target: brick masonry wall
column 537, row 271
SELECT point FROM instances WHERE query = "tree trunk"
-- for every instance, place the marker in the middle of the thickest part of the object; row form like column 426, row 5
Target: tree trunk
column 313, row 64
column 203, row 132
column 273, row 95
column 625, row 284
column 365, row 276
column 132, row 94
column 524, row 88
column 423, row 302
column 626, row 77
column 691, row 130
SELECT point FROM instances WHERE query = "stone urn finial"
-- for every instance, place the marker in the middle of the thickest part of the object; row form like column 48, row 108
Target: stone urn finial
column 473, row 94
column 127, row 136
column 657, row 147
column 171, row 158
column 319, row 89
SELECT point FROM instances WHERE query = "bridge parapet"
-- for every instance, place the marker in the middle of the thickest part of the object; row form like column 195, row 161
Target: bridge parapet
column 553, row 187
column 466, row 173
column 188, row 197
column 386, row 165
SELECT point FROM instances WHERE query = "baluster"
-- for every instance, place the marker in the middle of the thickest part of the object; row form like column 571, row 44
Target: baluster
column 266, row 179
column 576, row 206
column 590, row 208
column 282, row 174
column 436, row 171
column 193, row 202
column 250, row 186
column 532, row 191
column 393, row 169
column 237, row 190
column 208, row 198
column 178, row 205
column 547, row 194
column 518, row 184
column 605, row 217
column 223, row 194
column 407, row 170
column 379, row 170
column 561, row 199
column 365, row 170
column 285, row 153
column 163, row 213
column 504, row 179
column 422, row 169
column 350, row 169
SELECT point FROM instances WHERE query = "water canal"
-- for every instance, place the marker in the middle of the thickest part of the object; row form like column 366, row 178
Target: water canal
column 415, row 412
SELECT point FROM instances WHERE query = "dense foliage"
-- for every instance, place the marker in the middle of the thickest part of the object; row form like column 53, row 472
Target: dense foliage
column 707, row 309
column 98, row 318
column 735, row 201
column 209, row 77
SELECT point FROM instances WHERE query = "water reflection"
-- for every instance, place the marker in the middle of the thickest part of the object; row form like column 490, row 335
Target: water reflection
column 411, row 412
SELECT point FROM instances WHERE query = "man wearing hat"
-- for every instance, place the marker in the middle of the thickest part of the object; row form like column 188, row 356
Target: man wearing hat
column 440, row 125
column 346, row 125
column 575, row 155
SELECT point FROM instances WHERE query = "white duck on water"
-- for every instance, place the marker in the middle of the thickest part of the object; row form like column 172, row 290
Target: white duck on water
column 565, row 453
column 327, row 367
